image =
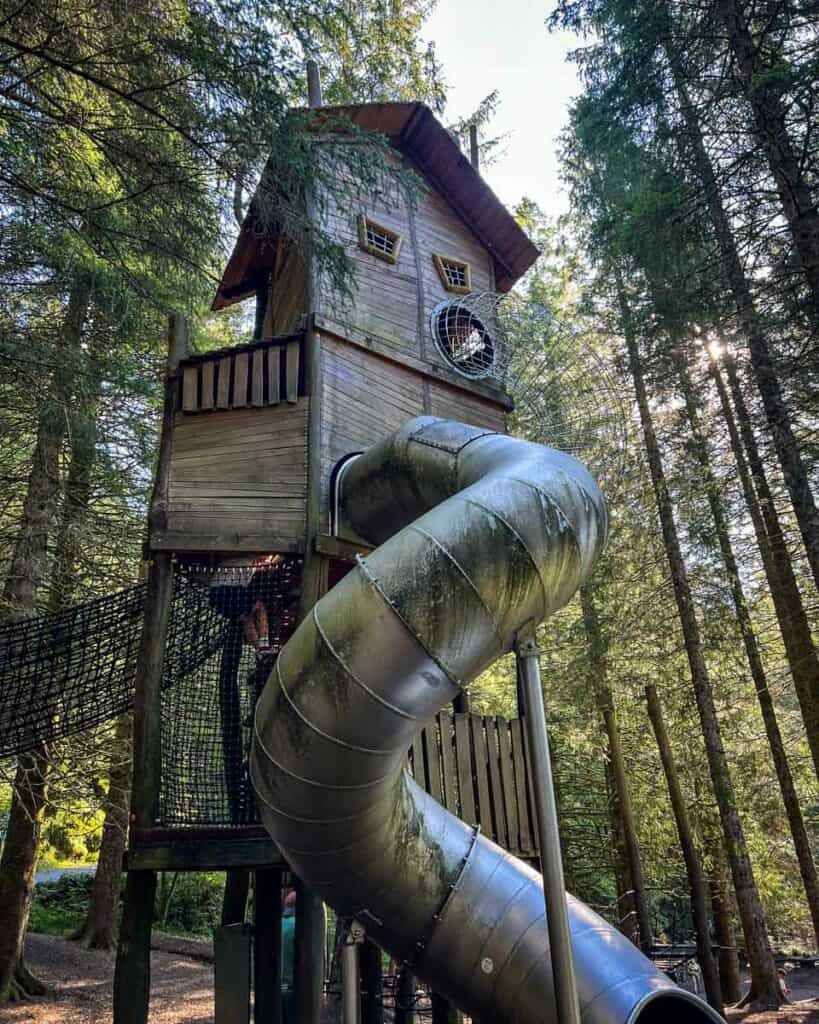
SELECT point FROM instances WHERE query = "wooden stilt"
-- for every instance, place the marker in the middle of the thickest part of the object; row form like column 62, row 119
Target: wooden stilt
column 234, row 901
column 267, row 949
column 132, row 975
column 308, row 973
column 443, row 1012
column 372, row 984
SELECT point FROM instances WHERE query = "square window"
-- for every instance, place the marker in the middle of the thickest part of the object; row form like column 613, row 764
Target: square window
column 455, row 275
column 378, row 240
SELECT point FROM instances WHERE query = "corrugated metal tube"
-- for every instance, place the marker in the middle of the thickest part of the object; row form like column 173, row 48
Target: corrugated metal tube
column 480, row 535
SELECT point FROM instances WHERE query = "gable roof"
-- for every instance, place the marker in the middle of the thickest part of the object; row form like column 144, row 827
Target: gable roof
column 414, row 130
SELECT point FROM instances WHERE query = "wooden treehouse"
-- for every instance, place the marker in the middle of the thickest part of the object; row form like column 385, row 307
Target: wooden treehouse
column 242, row 526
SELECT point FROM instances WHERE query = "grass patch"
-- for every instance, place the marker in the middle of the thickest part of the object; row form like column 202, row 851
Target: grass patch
column 54, row 920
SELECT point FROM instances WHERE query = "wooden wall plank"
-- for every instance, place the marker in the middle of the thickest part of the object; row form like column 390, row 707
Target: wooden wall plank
column 496, row 785
column 481, row 755
column 508, row 780
column 432, row 753
column 257, row 378
column 519, row 768
column 239, row 473
column 292, row 371
column 466, row 785
column 274, row 355
column 364, row 398
column 190, row 386
column 208, row 373
column 223, row 383
column 448, row 762
column 240, row 374
column 418, row 769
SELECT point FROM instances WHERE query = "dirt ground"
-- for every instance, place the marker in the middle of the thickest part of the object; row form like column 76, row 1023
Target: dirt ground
column 82, row 980
column 182, row 989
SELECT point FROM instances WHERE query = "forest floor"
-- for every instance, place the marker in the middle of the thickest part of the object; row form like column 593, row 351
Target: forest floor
column 182, row 989
column 82, row 982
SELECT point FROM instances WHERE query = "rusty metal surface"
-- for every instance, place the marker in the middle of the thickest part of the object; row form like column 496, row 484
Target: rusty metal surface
column 480, row 536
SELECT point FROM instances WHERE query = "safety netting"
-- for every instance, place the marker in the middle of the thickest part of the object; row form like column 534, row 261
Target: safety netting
column 72, row 671
column 207, row 713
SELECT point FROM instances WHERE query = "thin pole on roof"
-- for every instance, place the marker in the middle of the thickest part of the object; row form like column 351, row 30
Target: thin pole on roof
column 474, row 154
column 314, row 98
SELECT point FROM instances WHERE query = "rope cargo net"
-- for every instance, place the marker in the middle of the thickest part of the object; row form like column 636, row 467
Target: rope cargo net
column 66, row 673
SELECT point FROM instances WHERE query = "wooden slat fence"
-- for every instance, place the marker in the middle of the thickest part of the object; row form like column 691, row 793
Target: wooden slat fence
column 477, row 768
column 250, row 377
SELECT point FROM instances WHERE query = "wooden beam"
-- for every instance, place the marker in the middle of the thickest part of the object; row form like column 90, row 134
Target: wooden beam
column 205, row 855
column 344, row 550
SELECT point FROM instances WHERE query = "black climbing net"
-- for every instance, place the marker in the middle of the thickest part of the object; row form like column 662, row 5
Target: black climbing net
column 207, row 713
column 66, row 673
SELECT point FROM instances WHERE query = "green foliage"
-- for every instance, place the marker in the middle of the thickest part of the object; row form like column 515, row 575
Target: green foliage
column 59, row 907
column 195, row 904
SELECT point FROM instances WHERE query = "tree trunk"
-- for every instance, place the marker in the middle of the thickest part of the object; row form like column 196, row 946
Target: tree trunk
column 21, row 594
column 807, row 868
column 773, row 400
column 790, row 610
column 627, row 827
column 693, row 866
column 729, row 976
column 17, row 867
column 99, row 930
column 764, row 97
column 765, row 984
column 626, row 911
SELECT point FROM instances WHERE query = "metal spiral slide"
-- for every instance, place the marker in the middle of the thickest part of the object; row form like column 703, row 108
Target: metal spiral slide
column 480, row 536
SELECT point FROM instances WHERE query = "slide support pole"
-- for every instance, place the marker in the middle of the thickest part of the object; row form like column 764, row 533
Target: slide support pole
column 351, row 975
column 551, row 861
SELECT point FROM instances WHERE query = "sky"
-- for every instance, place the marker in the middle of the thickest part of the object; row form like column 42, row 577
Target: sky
column 486, row 45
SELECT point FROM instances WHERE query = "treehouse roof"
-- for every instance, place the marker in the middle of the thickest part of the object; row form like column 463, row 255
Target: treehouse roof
column 414, row 130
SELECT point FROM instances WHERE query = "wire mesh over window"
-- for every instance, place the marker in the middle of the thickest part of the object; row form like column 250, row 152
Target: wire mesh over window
column 455, row 275
column 207, row 715
column 378, row 240
column 463, row 339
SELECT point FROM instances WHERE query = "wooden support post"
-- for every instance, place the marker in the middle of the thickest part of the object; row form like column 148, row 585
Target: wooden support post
column 372, row 983
column 443, row 1012
column 132, row 975
column 405, row 997
column 308, row 969
column 314, row 97
column 231, row 956
column 267, row 948
column 234, row 900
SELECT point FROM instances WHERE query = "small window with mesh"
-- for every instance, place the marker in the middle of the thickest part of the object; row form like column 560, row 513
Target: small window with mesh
column 374, row 238
column 455, row 275
column 463, row 339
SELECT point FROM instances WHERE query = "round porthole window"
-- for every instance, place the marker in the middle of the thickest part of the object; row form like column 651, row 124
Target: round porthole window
column 463, row 339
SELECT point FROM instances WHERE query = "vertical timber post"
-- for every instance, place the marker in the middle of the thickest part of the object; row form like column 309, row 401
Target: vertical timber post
column 267, row 946
column 551, row 861
column 310, row 937
column 132, row 975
